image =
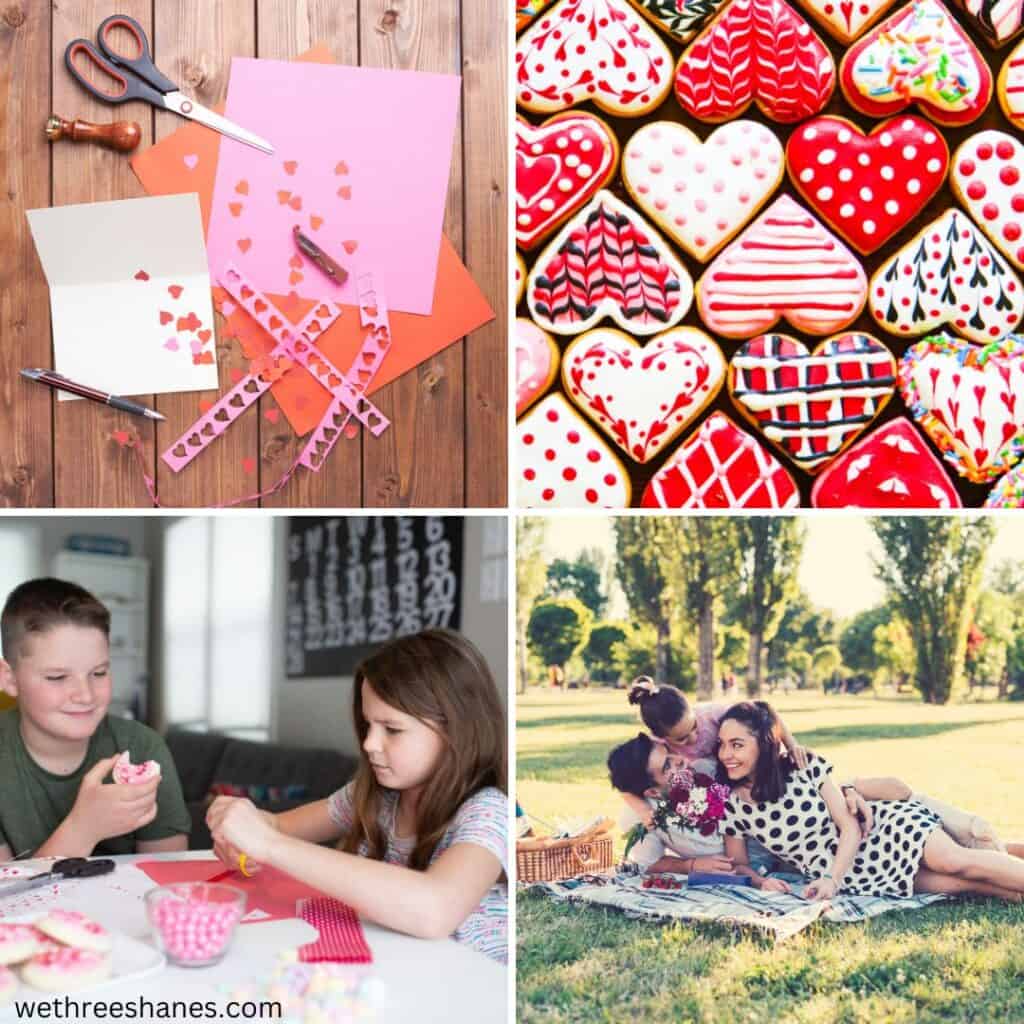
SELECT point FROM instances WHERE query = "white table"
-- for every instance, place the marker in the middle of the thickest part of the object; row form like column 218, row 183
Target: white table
column 422, row 980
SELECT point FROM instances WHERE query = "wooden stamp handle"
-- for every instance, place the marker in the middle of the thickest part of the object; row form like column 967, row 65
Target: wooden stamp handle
column 123, row 136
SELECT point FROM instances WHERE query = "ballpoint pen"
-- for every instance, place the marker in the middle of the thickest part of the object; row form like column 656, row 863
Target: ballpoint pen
column 55, row 380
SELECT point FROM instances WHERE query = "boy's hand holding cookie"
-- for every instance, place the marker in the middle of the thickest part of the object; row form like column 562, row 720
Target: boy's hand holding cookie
column 102, row 812
column 237, row 825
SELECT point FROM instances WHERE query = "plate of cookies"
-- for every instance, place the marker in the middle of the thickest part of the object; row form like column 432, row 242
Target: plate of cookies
column 770, row 254
column 64, row 952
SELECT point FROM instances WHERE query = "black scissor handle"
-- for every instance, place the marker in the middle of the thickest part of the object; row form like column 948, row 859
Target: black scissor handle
column 130, row 87
column 80, row 867
column 142, row 62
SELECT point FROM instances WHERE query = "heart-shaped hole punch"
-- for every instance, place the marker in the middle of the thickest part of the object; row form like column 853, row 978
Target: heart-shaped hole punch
column 237, row 401
column 301, row 346
column 373, row 421
column 195, row 441
column 315, row 459
column 286, row 336
column 247, row 292
column 364, row 377
column 370, row 358
column 251, row 386
column 321, row 447
column 370, row 311
column 233, row 275
column 207, row 430
column 179, row 452
column 313, row 327
column 338, row 420
column 259, row 305
column 275, row 323
column 362, row 406
column 333, row 380
column 330, row 433
column 221, row 416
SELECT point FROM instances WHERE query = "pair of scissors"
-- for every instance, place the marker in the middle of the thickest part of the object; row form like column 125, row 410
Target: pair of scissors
column 70, row 867
column 141, row 79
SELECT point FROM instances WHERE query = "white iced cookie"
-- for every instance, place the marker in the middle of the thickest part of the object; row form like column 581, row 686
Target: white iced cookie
column 17, row 942
column 75, row 929
column 134, row 774
column 8, row 984
column 66, row 970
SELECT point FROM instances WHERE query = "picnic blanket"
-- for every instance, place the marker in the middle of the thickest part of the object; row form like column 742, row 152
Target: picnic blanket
column 780, row 915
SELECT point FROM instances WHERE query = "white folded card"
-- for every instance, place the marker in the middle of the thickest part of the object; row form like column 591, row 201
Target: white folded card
column 129, row 294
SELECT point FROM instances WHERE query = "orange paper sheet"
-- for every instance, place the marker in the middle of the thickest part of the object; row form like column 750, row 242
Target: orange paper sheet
column 186, row 161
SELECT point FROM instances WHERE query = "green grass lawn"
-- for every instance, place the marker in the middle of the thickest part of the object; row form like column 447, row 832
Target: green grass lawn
column 963, row 961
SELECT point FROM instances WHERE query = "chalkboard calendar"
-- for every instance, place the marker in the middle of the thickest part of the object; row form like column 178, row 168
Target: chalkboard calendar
column 357, row 582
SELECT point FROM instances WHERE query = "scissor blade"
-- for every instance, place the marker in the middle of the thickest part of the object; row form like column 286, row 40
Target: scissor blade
column 27, row 885
column 181, row 104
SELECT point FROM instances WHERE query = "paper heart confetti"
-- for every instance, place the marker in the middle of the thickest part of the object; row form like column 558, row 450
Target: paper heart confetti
column 141, row 275
column 681, row 19
column 315, row 222
column 784, row 265
column 272, row 415
column 236, row 209
column 244, row 244
column 563, row 463
column 248, row 466
column 919, row 54
column 846, row 19
column 345, row 192
column 242, row 188
column 536, row 363
column 998, row 20
column 165, row 317
column 969, row 400
column 559, row 166
column 290, row 166
column 643, row 397
column 720, row 466
column 341, row 168
column 892, row 467
column 350, row 246
column 811, row 405
column 986, row 176
column 702, row 193
column 597, row 50
column 175, row 290
column 756, row 51
column 868, row 187
column 948, row 274
column 1011, row 86
column 191, row 160
column 189, row 323
column 607, row 261
column 171, row 344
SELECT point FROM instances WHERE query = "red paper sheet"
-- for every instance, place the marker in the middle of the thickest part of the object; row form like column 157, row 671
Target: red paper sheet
column 341, row 938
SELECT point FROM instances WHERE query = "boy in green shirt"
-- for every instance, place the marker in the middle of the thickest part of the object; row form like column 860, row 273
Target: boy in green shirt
column 58, row 745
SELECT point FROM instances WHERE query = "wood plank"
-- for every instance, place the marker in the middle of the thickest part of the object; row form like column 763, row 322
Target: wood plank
column 90, row 468
column 194, row 44
column 26, row 455
column 286, row 30
column 485, row 31
column 419, row 461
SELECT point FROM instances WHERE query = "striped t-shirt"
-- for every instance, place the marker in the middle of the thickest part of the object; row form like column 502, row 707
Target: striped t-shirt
column 481, row 820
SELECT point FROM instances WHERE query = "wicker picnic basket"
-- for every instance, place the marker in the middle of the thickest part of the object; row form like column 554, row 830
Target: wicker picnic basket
column 545, row 859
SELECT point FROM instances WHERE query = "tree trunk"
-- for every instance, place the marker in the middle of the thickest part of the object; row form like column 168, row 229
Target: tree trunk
column 524, row 671
column 754, row 664
column 661, row 653
column 706, row 648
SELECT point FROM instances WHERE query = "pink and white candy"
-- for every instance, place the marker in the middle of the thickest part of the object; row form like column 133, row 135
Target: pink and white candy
column 134, row 774
column 195, row 931
column 75, row 929
column 64, row 970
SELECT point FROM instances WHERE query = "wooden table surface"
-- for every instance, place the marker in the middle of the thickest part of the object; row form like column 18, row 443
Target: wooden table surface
column 447, row 443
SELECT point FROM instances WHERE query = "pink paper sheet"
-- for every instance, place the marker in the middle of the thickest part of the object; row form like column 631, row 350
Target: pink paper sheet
column 361, row 163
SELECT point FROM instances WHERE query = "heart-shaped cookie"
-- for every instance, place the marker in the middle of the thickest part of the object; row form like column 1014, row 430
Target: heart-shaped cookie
column 597, row 50
column 811, row 405
column 969, row 400
column 643, row 397
column 720, row 466
column 987, row 178
column 608, row 261
column 527, row 10
column 520, row 282
column 756, row 51
column 1011, row 86
column 892, row 467
column 1009, row 490
column 917, row 55
column 681, row 19
column 868, row 187
column 701, row 193
column 948, row 274
column 559, row 166
column 536, row 363
column 785, row 264
column 846, row 19
column 562, row 462
column 997, row 20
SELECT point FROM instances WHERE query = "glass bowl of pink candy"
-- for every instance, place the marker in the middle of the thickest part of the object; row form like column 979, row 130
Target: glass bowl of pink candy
column 194, row 922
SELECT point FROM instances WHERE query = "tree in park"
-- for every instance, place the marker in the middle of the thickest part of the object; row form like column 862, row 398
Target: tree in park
column 1007, row 579
column 580, row 578
column 992, row 631
column 932, row 567
column 857, row 639
column 597, row 654
column 558, row 629
column 635, row 654
column 826, row 663
column 530, row 576
column 894, row 651
column 802, row 629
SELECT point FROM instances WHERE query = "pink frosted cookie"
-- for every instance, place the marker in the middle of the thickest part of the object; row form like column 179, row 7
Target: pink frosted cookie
column 536, row 363
column 998, row 20
column 66, row 970
column 597, row 50
column 756, row 51
column 559, row 167
column 846, row 19
column 867, row 188
column 1011, row 86
column 701, row 193
column 17, row 942
column 987, row 178
column 563, row 463
column 134, row 774
column 720, row 466
column 784, row 265
column 8, row 985
column 947, row 274
column 892, row 467
column 607, row 261
column 75, row 929
column 643, row 397
column 919, row 54
column 681, row 19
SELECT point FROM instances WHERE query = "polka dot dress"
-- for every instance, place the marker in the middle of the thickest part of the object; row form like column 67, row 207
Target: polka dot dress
column 799, row 829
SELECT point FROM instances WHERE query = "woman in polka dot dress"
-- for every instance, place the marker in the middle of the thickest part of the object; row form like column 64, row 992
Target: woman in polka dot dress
column 801, row 817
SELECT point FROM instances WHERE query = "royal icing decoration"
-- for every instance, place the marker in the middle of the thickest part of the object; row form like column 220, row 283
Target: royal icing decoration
column 536, row 363
column 867, row 187
column 1008, row 491
column 643, row 397
column 785, row 264
column 998, row 20
column 563, row 463
column 681, row 19
column 608, row 261
column 846, row 19
column 969, row 401
column 948, row 274
column 597, row 50
column 702, row 193
column 720, row 466
column 520, row 278
column 1011, row 86
column 987, row 176
column 921, row 55
column 527, row 10
column 559, row 166
column 756, row 50
column 811, row 405
column 892, row 467
column 65, row 969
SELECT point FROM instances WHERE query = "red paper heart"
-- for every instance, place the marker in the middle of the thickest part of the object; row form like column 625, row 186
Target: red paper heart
column 202, row 358
column 315, row 222
column 205, row 405
column 350, row 246
column 244, row 244
column 248, row 465
column 189, row 323
column 295, row 202
column 290, row 166
column 165, row 317
column 242, row 188
column 868, row 187
column 345, row 192
column 141, row 275
column 273, row 415
column 235, row 208
column 175, row 290
column 205, row 335
column 283, row 196
column 341, row 167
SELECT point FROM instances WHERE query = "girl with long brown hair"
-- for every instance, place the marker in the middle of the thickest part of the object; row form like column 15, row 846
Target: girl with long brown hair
column 421, row 831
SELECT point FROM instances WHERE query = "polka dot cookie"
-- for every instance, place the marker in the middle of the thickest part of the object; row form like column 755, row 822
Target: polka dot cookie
column 988, row 178
column 1011, row 86
column 75, row 929
column 846, row 19
column 643, row 397
column 947, row 274
column 66, row 970
column 681, row 19
column 536, row 363
column 701, row 193
column 562, row 462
